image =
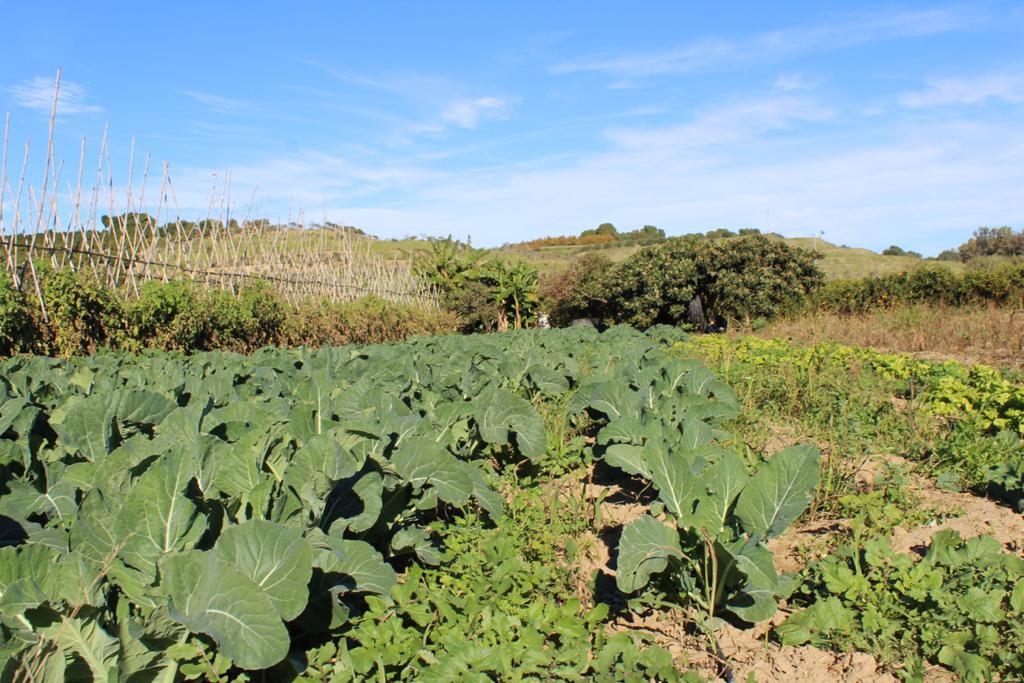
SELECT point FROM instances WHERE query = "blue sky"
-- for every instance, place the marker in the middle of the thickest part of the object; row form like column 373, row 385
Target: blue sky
column 874, row 123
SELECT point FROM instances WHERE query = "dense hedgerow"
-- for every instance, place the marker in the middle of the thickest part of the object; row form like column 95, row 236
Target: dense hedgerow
column 1000, row 284
column 83, row 316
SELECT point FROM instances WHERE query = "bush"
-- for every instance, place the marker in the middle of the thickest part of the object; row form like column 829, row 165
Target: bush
column 899, row 251
column 245, row 323
column 17, row 326
column 997, row 284
column 168, row 316
column 181, row 316
column 369, row 320
column 84, row 314
column 737, row 278
column 655, row 285
column 473, row 305
column 581, row 291
column 754, row 276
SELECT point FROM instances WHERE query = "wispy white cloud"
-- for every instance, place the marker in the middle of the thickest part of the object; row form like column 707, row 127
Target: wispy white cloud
column 715, row 54
column 726, row 124
column 794, row 81
column 1003, row 85
column 409, row 85
column 38, row 94
column 468, row 113
column 218, row 103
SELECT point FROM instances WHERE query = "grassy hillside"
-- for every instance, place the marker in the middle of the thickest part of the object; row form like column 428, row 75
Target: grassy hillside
column 838, row 261
column 852, row 262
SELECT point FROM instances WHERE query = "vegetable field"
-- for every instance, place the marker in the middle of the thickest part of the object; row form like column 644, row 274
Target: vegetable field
column 533, row 505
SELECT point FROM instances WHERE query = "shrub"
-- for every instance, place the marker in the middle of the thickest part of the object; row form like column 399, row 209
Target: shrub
column 655, row 285
column 899, row 251
column 754, row 276
column 168, row 316
column 473, row 305
column 1001, row 283
column 581, row 291
column 244, row 323
column 84, row 314
column 369, row 320
column 736, row 277
column 18, row 331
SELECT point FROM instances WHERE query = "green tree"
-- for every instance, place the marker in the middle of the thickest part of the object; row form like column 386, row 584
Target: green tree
column 737, row 279
column 655, row 285
column 986, row 241
column 753, row 276
column 514, row 287
column 448, row 264
column 720, row 232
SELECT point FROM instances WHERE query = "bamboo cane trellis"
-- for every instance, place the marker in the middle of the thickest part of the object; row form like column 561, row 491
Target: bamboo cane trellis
column 124, row 238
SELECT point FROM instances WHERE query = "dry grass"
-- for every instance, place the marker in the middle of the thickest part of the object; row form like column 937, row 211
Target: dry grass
column 975, row 334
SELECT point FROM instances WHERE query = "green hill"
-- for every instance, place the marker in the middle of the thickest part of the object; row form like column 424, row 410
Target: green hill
column 837, row 262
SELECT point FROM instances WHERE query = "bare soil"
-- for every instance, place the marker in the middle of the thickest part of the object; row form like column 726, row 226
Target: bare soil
column 979, row 517
column 742, row 652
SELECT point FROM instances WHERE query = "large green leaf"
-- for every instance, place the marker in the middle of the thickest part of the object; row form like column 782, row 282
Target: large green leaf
column 29, row 577
column 720, row 484
column 142, row 409
column 549, row 382
column 489, row 499
column 628, row 458
column 93, row 535
column 156, row 517
column 500, row 412
column 779, row 491
column 325, row 454
column 83, row 637
column 356, row 566
column 756, row 599
column 233, row 469
column 210, row 596
column 278, row 559
column 615, row 399
column 355, row 503
column 86, row 426
column 673, row 476
column 626, row 430
column 422, row 461
column 645, row 549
